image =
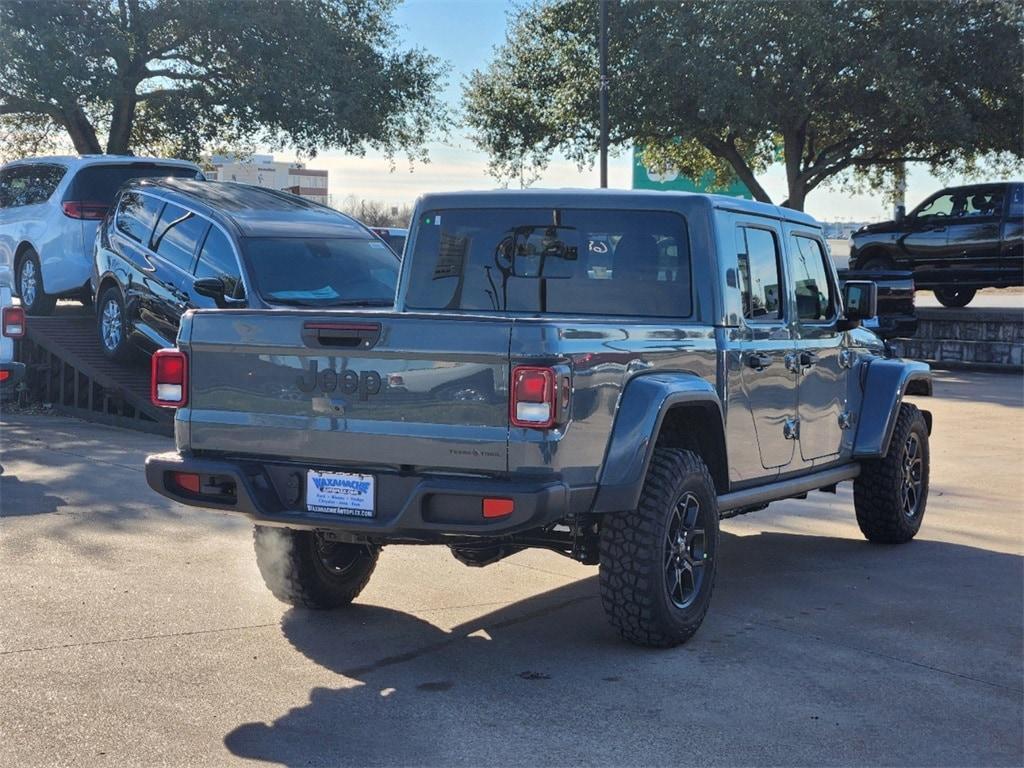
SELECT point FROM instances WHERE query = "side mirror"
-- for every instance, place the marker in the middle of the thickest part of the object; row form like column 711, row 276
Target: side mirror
column 215, row 288
column 860, row 299
column 210, row 286
column 899, row 214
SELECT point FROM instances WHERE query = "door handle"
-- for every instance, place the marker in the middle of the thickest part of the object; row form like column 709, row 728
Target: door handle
column 758, row 361
column 352, row 335
column 807, row 359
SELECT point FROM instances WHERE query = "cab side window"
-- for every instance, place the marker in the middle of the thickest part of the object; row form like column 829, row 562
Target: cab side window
column 940, row 205
column 986, row 203
column 217, row 259
column 136, row 215
column 758, row 256
column 177, row 234
column 809, row 269
column 1017, row 201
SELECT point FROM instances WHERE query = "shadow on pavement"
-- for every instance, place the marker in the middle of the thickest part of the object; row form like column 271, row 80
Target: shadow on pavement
column 547, row 681
column 19, row 497
column 970, row 386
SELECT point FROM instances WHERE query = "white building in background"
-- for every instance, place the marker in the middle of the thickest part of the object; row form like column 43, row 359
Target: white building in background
column 841, row 230
column 263, row 171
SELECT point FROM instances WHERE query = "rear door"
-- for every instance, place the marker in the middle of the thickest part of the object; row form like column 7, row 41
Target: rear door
column 974, row 227
column 370, row 389
column 176, row 238
column 24, row 188
column 145, row 285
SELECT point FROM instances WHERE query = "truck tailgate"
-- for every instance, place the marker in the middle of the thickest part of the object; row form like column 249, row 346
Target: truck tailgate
column 361, row 388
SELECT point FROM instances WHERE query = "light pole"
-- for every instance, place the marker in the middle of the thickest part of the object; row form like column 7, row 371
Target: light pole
column 602, row 45
column 899, row 207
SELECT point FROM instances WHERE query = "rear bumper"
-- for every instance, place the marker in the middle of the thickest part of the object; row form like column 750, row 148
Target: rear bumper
column 407, row 507
column 15, row 372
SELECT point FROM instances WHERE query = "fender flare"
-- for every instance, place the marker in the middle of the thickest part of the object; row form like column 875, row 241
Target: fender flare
column 885, row 382
column 642, row 407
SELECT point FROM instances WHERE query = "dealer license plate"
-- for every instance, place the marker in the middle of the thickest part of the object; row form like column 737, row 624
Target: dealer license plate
column 340, row 493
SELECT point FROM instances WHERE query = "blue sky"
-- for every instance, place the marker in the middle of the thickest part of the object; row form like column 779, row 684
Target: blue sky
column 464, row 33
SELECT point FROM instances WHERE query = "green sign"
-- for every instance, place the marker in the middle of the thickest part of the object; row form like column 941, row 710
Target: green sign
column 673, row 181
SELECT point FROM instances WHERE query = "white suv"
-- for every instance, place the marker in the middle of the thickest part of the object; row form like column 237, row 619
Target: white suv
column 49, row 210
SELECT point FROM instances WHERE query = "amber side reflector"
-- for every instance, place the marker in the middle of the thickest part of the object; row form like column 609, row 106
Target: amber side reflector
column 187, row 481
column 498, row 507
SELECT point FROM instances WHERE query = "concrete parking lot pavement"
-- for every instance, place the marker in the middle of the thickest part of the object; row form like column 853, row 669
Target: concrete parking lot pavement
column 134, row 631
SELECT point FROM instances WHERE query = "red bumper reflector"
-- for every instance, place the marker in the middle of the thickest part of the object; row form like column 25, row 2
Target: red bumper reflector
column 498, row 507
column 187, row 481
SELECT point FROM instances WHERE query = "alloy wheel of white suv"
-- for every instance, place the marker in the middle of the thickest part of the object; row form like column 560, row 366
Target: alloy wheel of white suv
column 30, row 286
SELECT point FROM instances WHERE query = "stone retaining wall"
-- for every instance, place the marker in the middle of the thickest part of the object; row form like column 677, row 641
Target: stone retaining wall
column 984, row 338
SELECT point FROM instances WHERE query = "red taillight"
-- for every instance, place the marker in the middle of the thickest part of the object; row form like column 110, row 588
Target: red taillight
column 14, row 322
column 169, row 378
column 532, row 403
column 83, row 209
column 5, row 375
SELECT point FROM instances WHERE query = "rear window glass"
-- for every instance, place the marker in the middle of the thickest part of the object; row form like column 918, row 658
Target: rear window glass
column 136, row 215
column 322, row 271
column 99, row 183
column 1017, row 200
column 568, row 261
column 29, row 184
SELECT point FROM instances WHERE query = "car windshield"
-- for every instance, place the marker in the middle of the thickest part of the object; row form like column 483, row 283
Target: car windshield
column 567, row 261
column 99, row 183
column 322, row 271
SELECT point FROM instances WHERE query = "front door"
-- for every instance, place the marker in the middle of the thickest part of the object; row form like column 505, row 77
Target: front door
column 767, row 359
column 822, row 375
column 927, row 239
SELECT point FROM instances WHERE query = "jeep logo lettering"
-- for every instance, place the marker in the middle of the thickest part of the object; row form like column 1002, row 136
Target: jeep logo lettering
column 348, row 382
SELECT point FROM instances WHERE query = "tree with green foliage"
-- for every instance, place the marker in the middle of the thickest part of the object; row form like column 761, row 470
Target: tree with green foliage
column 122, row 75
column 839, row 91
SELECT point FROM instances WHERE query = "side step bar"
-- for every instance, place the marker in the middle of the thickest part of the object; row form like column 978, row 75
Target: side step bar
column 784, row 489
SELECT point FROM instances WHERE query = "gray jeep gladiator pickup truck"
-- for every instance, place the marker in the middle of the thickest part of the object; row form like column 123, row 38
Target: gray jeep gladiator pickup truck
column 602, row 374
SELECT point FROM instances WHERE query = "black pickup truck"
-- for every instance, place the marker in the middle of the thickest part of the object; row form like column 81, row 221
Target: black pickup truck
column 957, row 241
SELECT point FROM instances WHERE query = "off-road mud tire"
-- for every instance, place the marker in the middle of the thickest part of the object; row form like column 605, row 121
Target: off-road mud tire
column 293, row 568
column 878, row 492
column 634, row 584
